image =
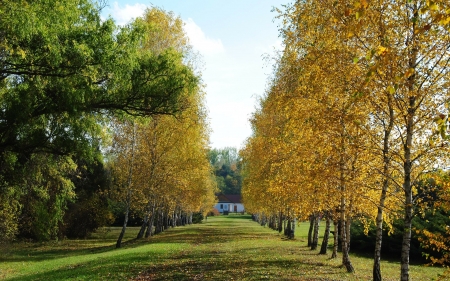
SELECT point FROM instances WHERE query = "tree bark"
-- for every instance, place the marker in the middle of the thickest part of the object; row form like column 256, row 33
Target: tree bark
column 143, row 227
column 386, row 166
column 310, row 231
column 326, row 235
column 129, row 191
column 294, row 222
column 166, row 220
column 280, row 222
column 315, row 238
column 345, row 254
column 158, row 222
column 151, row 221
column 335, row 239
column 124, row 227
column 407, row 187
column 407, row 147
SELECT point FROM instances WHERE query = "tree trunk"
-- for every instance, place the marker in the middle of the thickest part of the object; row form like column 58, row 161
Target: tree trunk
column 166, row 220
column 158, row 222
column 129, row 191
column 407, row 147
column 124, row 227
column 289, row 232
column 151, row 221
column 310, row 231
column 345, row 226
column 384, row 189
column 174, row 219
column 143, row 227
column 345, row 256
column 287, row 228
column 326, row 235
column 294, row 222
column 335, row 239
column 280, row 222
column 315, row 238
column 407, row 187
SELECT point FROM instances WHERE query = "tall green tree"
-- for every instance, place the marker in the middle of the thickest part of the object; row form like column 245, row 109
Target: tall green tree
column 59, row 81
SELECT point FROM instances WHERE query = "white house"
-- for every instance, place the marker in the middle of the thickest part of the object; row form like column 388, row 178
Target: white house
column 229, row 203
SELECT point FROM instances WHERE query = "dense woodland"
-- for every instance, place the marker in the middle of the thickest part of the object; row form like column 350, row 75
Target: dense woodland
column 98, row 121
column 353, row 128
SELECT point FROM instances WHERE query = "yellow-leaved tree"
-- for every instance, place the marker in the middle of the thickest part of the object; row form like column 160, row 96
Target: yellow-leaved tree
column 160, row 164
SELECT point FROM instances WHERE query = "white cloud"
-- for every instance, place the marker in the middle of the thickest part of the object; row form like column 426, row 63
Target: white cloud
column 200, row 42
column 124, row 15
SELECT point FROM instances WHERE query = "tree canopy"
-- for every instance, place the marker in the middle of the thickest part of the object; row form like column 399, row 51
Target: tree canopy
column 65, row 73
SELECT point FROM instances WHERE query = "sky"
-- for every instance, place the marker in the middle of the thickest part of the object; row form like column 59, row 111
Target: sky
column 233, row 38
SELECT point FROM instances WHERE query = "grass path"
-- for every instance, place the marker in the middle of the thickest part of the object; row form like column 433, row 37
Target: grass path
column 223, row 248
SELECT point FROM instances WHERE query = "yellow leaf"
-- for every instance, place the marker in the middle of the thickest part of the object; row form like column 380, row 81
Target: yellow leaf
column 409, row 72
column 434, row 7
column 364, row 4
column 391, row 89
column 381, row 50
column 445, row 21
column 22, row 53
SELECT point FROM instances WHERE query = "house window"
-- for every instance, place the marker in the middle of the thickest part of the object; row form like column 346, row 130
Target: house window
column 226, row 207
column 221, row 206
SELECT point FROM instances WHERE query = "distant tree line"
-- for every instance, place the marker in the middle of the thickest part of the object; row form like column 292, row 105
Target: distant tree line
column 227, row 169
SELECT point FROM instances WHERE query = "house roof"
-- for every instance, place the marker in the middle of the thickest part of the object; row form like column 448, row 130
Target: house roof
column 235, row 198
column 229, row 198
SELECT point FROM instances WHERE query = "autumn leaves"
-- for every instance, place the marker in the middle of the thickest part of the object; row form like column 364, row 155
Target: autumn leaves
column 159, row 165
column 347, row 125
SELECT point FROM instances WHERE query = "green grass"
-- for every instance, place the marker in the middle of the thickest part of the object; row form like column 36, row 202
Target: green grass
column 223, row 248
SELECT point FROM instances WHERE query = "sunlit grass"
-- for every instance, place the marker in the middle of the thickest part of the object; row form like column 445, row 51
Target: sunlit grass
column 223, row 248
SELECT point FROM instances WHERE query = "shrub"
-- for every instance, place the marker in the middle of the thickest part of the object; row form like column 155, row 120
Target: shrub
column 213, row 212
column 197, row 217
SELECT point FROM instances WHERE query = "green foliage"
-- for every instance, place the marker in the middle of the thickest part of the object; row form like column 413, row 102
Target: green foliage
column 227, row 168
column 46, row 190
column 197, row 217
column 90, row 210
column 9, row 212
column 59, row 85
column 433, row 221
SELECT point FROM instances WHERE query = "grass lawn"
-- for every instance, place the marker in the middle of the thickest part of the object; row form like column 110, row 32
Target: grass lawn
column 222, row 248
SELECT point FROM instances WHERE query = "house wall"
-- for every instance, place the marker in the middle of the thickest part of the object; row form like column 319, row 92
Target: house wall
column 229, row 207
column 240, row 207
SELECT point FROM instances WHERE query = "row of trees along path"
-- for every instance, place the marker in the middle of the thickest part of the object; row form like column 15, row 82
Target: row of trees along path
column 354, row 123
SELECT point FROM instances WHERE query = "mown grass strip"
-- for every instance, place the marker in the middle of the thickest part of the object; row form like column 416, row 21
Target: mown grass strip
column 222, row 248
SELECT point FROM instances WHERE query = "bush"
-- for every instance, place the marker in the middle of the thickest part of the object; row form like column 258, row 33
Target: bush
column 213, row 212
column 197, row 217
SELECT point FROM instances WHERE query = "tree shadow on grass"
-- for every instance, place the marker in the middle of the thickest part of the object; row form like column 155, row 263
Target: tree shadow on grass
column 222, row 267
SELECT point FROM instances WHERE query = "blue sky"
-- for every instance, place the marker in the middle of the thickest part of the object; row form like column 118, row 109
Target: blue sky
column 233, row 37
